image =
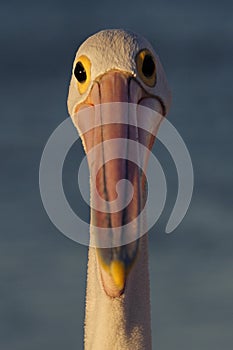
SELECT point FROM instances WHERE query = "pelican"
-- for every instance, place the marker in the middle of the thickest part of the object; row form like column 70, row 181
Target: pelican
column 117, row 66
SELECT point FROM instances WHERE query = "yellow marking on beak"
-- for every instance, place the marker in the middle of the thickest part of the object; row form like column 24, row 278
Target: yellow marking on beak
column 118, row 273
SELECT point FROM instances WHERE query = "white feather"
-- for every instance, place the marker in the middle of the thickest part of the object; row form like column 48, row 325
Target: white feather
column 116, row 49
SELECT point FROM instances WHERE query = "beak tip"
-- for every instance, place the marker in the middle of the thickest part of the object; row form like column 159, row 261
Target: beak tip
column 118, row 273
column 113, row 277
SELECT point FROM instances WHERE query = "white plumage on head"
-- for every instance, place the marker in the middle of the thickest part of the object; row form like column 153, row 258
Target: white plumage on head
column 117, row 49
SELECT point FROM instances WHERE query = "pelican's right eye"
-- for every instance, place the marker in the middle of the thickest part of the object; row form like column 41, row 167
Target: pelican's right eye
column 82, row 72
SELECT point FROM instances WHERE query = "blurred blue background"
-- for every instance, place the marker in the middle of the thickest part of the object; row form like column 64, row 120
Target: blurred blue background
column 42, row 273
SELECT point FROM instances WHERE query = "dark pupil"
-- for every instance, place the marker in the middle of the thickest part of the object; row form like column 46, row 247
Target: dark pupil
column 80, row 73
column 148, row 66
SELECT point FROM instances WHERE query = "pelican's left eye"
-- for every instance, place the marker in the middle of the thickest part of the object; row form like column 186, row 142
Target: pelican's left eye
column 82, row 72
column 146, row 67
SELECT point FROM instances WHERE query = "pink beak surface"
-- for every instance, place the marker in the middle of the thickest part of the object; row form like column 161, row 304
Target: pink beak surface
column 115, row 86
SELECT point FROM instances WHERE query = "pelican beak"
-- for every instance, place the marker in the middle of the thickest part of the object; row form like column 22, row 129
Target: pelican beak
column 116, row 262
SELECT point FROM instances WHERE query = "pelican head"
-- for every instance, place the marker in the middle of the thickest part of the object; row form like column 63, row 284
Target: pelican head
column 117, row 66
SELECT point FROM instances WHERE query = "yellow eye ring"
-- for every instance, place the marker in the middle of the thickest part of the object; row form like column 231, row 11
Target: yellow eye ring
column 146, row 67
column 82, row 73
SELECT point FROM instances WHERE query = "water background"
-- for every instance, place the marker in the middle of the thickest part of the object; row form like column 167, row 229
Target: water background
column 42, row 273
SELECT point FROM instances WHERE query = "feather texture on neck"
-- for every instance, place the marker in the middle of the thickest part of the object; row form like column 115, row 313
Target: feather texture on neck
column 121, row 323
